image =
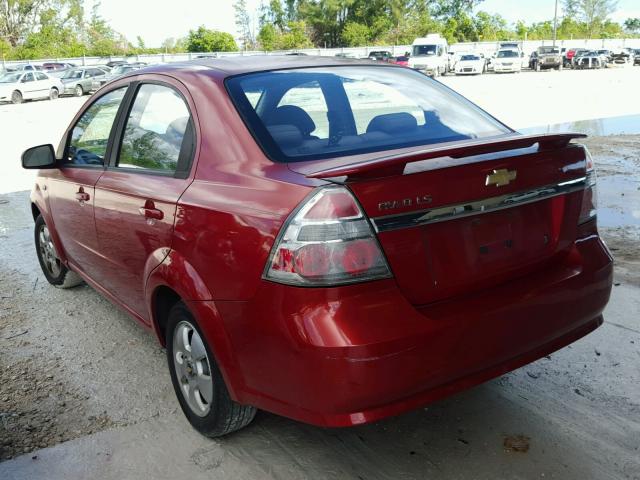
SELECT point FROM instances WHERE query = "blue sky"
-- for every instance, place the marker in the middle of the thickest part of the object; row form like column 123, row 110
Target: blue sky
column 538, row 10
column 132, row 17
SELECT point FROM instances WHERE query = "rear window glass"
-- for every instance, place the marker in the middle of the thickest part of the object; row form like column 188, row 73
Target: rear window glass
column 314, row 113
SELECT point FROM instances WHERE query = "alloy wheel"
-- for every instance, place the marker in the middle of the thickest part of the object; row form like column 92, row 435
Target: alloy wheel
column 16, row 97
column 48, row 252
column 192, row 368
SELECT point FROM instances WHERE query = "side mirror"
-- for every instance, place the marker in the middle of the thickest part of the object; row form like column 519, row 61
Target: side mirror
column 42, row 156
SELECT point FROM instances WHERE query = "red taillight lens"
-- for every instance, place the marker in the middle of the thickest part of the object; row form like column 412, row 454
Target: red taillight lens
column 589, row 207
column 327, row 242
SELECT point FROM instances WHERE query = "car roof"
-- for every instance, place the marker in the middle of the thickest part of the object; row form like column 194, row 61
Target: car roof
column 241, row 64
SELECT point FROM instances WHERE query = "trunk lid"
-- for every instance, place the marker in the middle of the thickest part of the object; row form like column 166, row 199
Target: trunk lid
column 456, row 218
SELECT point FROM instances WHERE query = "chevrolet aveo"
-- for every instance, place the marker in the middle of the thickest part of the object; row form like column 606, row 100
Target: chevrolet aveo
column 330, row 240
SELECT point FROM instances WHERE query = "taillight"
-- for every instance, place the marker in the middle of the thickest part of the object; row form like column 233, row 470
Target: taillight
column 327, row 242
column 588, row 210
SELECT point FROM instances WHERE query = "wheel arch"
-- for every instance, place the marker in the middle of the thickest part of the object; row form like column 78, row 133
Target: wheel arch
column 174, row 277
column 174, row 280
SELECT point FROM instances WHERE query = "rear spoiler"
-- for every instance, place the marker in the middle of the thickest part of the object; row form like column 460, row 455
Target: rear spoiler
column 453, row 150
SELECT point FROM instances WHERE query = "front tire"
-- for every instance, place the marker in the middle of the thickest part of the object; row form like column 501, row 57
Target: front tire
column 53, row 94
column 78, row 91
column 16, row 97
column 197, row 380
column 54, row 270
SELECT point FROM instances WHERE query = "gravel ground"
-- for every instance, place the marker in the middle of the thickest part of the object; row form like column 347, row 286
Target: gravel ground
column 72, row 366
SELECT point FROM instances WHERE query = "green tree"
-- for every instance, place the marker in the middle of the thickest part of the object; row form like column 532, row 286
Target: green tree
column 594, row 13
column 295, row 36
column 205, row 40
column 570, row 8
column 355, row 34
column 19, row 18
column 102, row 39
column 632, row 25
column 268, row 37
column 243, row 25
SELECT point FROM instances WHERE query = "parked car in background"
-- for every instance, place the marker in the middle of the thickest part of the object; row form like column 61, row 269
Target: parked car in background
column 23, row 67
column 280, row 253
column 509, row 46
column 589, row 60
column 622, row 56
column 115, row 63
column 578, row 52
column 470, row 64
column 23, row 85
column 79, row 81
column 402, row 60
column 507, row 61
column 53, row 66
column 380, row 55
column 116, row 72
column 346, row 55
column 567, row 57
column 607, row 55
column 636, row 56
column 430, row 55
column 548, row 58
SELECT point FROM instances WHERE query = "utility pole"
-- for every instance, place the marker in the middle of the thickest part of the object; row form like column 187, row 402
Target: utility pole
column 555, row 24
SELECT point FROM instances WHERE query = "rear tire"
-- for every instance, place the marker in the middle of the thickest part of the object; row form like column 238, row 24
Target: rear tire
column 16, row 97
column 197, row 380
column 54, row 270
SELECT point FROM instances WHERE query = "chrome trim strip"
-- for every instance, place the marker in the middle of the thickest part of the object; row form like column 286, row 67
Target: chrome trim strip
column 462, row 210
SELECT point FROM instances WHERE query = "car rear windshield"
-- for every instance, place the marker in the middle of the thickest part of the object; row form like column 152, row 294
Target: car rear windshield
column 314, row 113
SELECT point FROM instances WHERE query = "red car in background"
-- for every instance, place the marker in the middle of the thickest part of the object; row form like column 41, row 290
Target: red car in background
column 330, row 240
column 401, row 60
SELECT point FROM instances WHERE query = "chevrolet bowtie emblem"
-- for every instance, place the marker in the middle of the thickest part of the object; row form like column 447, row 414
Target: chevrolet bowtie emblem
column 501, row 177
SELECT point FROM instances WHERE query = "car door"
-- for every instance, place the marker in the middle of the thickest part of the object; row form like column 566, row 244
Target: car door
column 89, row 75
column 28, row 86
column 42, row 85
column 71, row 187
column 136, row 198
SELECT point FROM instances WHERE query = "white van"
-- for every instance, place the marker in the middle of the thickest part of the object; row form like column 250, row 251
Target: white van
column 430, row 55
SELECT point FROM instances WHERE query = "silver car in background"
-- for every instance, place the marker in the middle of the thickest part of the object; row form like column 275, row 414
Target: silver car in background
column 78, row 81
column 116, row 72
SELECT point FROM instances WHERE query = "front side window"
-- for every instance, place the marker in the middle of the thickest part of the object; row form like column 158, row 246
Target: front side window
column 73, row 74
column 28, row 77
column 316, row 113
column 90, row 136
column 41, row 76
column 156, row 129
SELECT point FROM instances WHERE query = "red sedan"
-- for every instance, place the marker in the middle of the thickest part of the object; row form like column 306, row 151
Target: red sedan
column 330, row 240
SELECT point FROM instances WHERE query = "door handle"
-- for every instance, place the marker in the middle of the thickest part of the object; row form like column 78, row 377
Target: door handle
column 151, row 212
column 82, row 196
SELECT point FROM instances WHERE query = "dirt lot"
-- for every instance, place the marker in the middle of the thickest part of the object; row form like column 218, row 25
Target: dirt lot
column 79, row 376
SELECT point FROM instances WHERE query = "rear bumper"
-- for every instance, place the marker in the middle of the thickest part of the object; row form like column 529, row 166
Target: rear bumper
column 351, row 355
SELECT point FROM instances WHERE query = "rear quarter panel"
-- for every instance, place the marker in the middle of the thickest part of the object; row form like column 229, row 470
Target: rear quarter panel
column 229, row 217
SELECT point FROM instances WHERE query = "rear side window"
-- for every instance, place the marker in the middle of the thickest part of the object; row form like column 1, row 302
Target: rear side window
column 315, row 113
column 90, row 136
column 158, row 133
